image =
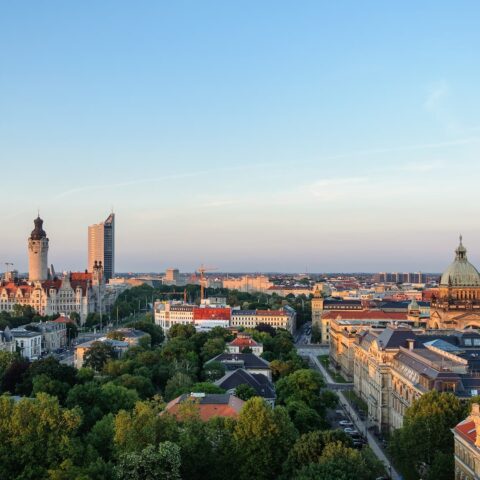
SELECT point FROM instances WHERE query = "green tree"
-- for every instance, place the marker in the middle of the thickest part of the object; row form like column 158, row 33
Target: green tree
column 213, row 371
column 264, row 436
column 212, row 348
column 46, row 384
column 152, row 463
column 245, row 392
column 339, row 462
column 143, row 426
column 181, row 331
column 309, row 448
column 425, row 439
column 35, row 435
column 116, row 335
column 155, row 331
column 97, row 355
column 177, row 385
column 304, row 417
column 303, row 385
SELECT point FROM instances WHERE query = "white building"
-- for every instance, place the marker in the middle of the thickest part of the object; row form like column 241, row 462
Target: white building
column 29, row 343
column 54, row 335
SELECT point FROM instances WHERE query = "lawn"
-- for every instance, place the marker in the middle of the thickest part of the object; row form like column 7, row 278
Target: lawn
column 325, row 361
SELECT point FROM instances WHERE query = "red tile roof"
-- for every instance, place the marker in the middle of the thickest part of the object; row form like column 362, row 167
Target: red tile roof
column 229, row 408
column 81, row 276
column 364, row 315
column 208, row 313
column 466, row 430
column 243, row 341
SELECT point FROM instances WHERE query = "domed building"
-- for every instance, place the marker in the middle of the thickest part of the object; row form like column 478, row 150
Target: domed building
column 457, row 304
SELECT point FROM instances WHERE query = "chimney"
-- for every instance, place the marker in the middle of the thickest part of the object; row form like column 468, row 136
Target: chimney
column 475, row 417
column 411, row 343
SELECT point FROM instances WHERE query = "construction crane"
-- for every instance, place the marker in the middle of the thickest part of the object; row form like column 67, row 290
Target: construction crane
column 203, row 281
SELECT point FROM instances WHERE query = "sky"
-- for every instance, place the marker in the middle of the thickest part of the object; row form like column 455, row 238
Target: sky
column 251, row 136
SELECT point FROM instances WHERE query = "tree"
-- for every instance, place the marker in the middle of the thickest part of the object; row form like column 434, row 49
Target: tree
column 245, row 392
column 212, row 348
column 316, row 334
column 101, row 435
column 155, row 331
column 181, row 331
column 177, row 385
column 35, row 435
column 116, row 335
column 152, row 463
column 213, row 371
column 425, row 439
column 264, row 437
column 97, row 355
column 339, row 462
column 72, row 330
column 143, row 426
column 301, row 385
column 304, row 417
column 309, row 448
column 44, row 383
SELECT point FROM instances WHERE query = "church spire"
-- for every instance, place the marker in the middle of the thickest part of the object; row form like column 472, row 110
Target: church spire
column 461, row 251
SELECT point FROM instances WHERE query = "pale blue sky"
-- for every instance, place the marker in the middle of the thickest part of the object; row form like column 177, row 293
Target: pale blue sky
column 252, row 135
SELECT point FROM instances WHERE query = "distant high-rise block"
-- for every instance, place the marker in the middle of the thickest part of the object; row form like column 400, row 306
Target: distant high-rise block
column 101, row 246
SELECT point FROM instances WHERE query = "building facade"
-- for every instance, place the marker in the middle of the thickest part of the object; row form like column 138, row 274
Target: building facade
column 456, row 304
column 101, row 246
column 466, row 437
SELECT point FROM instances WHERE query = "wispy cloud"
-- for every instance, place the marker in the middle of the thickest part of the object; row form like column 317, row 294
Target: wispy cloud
column 422, row 167
column 435, row 96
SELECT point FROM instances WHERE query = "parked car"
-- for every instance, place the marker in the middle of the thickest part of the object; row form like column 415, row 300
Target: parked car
column 345, row 423
column 351, row 431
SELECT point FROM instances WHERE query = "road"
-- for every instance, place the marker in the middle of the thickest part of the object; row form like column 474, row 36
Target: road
column 358, row 422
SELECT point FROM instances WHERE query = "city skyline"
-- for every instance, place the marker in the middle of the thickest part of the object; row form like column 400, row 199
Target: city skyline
column 254, row 137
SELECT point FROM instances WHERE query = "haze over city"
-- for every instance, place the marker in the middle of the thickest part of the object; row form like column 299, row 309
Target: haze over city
column 254, row 136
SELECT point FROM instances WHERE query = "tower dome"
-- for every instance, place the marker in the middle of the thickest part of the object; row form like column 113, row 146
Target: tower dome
column 460, row 273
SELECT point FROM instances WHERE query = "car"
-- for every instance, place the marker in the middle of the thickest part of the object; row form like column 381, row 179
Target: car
column 351, row 431
column 345, row 423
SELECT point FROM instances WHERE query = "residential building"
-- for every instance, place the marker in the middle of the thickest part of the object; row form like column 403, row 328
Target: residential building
column 242, row 341
column 172, row 276
column 247, row 361
column 466, row 437
column 169, row 313
column 321, row 306
column 396, row 366
column 284, row 318
column 119, row 346
column 260, row 383
column 247, row 283
column 7, row 342
column 28, row 343
column 54, row 334
column 131, row 335
column 208, row 317
column 101, row 246
column 208, row 405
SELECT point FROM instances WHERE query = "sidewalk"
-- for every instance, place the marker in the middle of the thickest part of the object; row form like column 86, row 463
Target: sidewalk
column 358, row 422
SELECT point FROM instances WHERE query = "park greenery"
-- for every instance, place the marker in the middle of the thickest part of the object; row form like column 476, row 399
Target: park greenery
column 423, row 447
column 107, row 421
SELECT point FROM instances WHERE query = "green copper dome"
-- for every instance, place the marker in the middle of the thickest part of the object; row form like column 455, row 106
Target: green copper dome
column 460, row 273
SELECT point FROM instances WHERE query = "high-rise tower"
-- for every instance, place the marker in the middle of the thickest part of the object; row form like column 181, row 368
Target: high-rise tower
column 101, row 246
column 38, row 253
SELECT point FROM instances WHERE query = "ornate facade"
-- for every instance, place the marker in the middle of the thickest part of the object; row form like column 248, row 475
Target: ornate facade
column 457, row 304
